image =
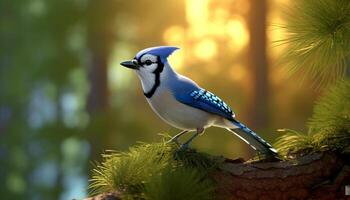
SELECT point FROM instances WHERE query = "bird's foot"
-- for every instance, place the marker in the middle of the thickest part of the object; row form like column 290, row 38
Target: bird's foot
column 176, row 137
column 183, row 147
column 176, row 140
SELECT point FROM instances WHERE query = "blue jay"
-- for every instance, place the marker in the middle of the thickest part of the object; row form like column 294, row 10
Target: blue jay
column 180, row 102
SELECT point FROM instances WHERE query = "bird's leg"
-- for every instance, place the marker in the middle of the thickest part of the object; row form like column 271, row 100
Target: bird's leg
column 186, row 144
column 176, row 137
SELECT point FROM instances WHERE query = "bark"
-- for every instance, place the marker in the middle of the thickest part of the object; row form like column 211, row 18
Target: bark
column 314, row 176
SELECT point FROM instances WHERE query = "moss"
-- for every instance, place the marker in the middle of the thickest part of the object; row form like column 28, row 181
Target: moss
column 155, row 171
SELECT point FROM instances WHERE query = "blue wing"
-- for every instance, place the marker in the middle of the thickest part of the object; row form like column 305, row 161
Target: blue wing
column 207, row 101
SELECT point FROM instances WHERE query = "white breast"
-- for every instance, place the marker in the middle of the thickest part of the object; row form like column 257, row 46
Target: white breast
column 177, row 114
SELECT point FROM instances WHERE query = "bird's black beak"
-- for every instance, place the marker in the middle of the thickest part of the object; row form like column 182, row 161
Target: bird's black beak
column 133, row 64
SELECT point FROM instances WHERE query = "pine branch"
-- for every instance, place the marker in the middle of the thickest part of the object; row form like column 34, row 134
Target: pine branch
column 317, row 39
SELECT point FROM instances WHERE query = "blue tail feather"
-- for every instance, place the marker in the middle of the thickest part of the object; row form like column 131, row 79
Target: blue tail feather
column 251, row 138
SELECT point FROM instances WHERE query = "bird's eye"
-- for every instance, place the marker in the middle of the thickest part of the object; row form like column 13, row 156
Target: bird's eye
column 148, row 62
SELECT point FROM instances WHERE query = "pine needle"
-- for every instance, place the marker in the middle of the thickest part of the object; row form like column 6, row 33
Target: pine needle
column 318, row 39
column 155, row 171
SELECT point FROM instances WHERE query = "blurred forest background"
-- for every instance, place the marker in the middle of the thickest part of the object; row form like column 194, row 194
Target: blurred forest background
column 64, row 98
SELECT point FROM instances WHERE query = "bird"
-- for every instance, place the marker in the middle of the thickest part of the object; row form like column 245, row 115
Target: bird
column 183, row 104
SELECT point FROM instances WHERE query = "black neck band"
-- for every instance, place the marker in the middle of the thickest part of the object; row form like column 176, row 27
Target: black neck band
column 156, row 72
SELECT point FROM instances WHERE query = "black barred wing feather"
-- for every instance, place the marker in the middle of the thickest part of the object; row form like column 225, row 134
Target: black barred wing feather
column 207, row 101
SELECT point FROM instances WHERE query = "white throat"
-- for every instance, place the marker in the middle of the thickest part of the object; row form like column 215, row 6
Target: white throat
column 147, row 81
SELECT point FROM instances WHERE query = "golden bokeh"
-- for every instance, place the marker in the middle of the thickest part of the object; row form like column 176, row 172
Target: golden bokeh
column 209, row 24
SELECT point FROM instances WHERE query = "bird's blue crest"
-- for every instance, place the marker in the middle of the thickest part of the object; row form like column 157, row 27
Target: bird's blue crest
column 162, row 51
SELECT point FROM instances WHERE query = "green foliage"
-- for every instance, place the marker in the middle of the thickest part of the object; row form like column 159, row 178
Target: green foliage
column 292, row 142
column 332, row 111
column 329, row 126
column 155, row 171
column 318, row 39
column 127, row 170
column 183, row 183
column 331, row 117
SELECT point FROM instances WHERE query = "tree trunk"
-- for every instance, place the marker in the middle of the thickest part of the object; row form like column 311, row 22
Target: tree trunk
column 97, row 100
column 258, row 105
column 100, row 39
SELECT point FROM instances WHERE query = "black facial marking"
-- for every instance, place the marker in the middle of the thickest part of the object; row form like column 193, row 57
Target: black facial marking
column 147, row 62
column 157, row 72
column 139, row 59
